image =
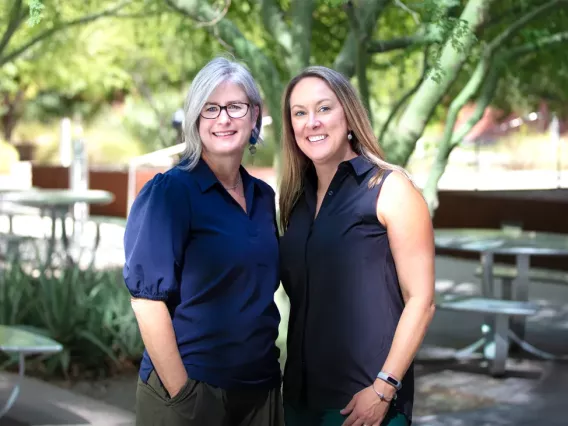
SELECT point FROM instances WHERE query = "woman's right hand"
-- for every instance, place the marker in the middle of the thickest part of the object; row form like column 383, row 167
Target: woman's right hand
column 159, row 339
column 176, row 387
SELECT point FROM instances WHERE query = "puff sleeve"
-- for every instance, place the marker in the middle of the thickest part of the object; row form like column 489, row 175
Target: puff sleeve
column 156, row 234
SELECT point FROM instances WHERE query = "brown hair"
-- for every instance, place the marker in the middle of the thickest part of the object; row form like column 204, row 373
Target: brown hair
column 364, row 141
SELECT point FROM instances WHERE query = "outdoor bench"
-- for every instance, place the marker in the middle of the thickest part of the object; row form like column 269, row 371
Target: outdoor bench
column 507, row 273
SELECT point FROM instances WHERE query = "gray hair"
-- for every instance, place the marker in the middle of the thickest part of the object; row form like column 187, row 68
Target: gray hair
column 216, row 72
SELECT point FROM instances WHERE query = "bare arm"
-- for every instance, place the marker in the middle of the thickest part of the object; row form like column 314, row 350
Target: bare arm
column 403, row 211
column 159, row 338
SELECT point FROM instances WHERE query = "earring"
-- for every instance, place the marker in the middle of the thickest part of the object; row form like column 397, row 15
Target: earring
column 350, row 135
column 253, row 140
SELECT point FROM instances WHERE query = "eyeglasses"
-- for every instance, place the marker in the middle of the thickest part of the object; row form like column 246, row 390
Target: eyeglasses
column 234, row 110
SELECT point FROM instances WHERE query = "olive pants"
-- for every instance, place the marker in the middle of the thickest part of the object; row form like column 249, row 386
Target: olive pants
column 200, row 404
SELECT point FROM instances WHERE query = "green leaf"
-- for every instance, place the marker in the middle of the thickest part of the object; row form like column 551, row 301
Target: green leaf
column 36, row 7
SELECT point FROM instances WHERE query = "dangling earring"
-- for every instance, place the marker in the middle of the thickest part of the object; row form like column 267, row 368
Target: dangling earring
column 253, row 140
column 350, row 135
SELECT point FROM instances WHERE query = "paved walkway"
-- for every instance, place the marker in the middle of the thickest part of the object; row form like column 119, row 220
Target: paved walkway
column 533, row 393
column 44, row 404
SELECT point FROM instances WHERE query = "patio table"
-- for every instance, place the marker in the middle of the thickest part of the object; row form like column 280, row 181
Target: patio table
column 14, row 340
column 519, row 243
column 57, row 203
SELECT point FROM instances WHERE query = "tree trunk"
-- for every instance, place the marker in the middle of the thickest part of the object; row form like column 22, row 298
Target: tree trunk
column 368, row 13
column 451, row 139
column 400, row 140
column 13, row 112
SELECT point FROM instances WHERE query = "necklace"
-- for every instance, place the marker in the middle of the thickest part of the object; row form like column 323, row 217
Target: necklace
column 231, row 188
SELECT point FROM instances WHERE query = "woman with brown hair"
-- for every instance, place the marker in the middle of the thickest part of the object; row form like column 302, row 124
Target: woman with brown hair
column 357, row 261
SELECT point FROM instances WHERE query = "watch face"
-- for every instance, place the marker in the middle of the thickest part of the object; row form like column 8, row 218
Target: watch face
column 392, row 381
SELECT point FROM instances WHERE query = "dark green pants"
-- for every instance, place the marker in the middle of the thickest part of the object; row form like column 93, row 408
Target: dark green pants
column 200, row 404
column 296, row 416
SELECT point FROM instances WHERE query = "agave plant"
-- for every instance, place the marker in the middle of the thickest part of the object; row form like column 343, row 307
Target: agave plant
column 87, row 311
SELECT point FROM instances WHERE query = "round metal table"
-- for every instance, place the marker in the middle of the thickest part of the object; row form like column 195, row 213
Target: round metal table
column 21, row 342
column 57, row 202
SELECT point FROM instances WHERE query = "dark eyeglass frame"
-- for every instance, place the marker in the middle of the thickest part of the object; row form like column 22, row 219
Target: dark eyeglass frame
column 225, row 107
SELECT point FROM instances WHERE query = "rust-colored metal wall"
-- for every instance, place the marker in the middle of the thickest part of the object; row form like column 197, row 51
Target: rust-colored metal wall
column 115, row 181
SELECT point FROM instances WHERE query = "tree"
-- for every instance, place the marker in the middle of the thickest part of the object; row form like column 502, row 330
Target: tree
column 68, row 58
column 465, row 49
column 23, row 42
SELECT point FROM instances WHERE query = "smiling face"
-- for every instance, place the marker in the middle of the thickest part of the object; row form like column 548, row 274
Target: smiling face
column 319, row 122
column 225, row 135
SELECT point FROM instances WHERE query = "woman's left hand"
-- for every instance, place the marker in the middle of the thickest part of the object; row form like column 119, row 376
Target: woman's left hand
column 365, row 409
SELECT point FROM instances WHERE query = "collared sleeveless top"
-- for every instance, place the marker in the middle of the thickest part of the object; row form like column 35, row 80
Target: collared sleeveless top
column 340, row 276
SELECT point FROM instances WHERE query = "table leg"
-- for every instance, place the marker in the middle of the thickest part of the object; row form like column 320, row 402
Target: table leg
column 65, row 240
column 521, row 292
column 487, row 287
column 488, row 290
column 16, row 389
column 501, row 343
column 51, row 242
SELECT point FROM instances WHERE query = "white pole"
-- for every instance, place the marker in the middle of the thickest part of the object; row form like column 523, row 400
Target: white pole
column 555, row 138
column 65, row 143
column 79, row 178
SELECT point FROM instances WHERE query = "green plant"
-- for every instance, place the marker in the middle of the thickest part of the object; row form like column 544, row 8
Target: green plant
column 87, row 311
column 16, row 299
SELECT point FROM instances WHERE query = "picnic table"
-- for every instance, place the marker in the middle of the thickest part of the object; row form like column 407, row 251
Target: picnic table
column 514, row 296
column 57, row 203
column 14, row 340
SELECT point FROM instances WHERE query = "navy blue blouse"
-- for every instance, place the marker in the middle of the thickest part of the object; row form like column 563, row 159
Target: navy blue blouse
column 190, row 244
column 345, row 298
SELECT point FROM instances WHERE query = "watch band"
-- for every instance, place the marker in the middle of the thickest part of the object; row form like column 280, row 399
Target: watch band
column 386, row 377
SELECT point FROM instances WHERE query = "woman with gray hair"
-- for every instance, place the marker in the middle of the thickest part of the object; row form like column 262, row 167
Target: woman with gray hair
column 201, row 248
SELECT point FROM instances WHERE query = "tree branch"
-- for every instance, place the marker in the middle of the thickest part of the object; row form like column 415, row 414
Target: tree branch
column 17, row 16
column 360, row 56
column 215, row 20
column 147, row 95
column 294, row 39
column 273, row 21
column 485, row 65
column 371, row 10
column 448, row 143
column 510, row 31
column 399, row 142
column 486, row 75
column 412, row 13
column 48, row 33
column 302, row 19
column 421, row 38
column 531, row 47
column 260, row 65
column 406, row 96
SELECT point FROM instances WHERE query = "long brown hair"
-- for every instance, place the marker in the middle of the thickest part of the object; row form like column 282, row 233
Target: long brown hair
column 364, row 141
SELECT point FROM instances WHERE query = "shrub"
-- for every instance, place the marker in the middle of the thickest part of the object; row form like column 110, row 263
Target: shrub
column 87, row 311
